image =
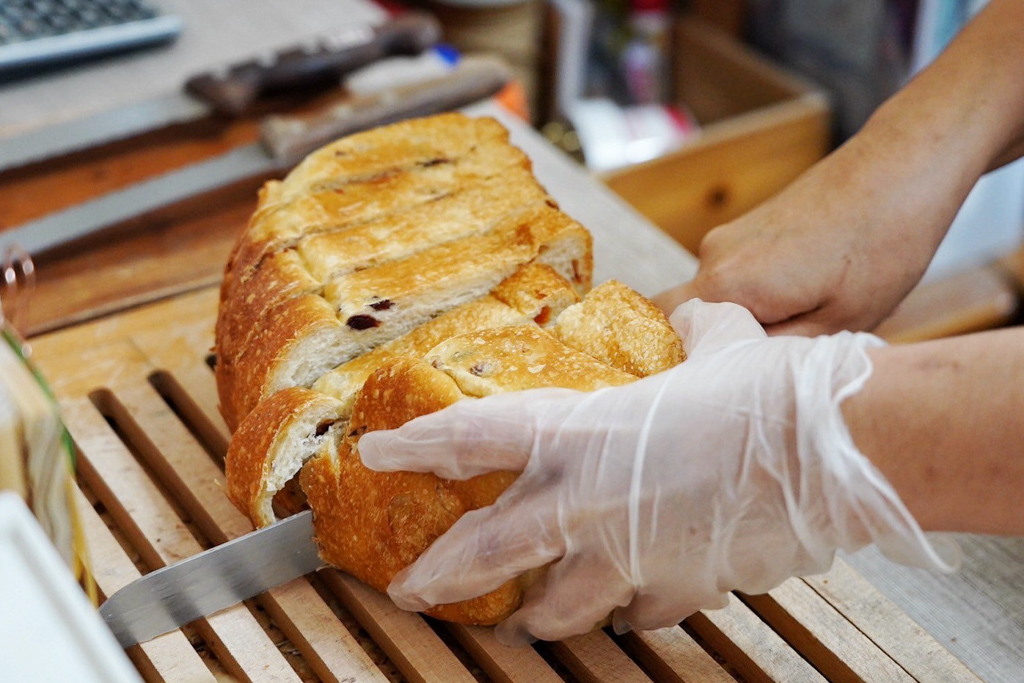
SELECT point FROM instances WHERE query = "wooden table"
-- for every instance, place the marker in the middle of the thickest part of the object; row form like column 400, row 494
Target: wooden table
column 125, row 319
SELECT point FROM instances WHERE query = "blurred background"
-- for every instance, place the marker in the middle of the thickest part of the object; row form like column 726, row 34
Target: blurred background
column 635, row 88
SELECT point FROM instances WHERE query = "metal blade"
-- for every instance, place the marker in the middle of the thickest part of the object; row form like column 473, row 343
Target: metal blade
column 233, row 90
column 106, row 126
column 171, row 597
column 110, row 209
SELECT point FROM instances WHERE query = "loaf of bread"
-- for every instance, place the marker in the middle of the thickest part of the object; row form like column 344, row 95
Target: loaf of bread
column 391, row 274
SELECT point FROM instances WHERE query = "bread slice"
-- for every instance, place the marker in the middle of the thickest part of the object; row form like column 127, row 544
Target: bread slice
column 282, row 432
column 311, row 334
column 372, row 524
column 535, row 293
column 620, row 327
column 291, row 425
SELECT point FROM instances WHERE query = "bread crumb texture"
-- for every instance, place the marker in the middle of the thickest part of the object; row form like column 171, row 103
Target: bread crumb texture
column 389, row 275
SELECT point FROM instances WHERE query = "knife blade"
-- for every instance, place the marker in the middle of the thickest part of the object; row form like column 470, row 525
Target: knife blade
column 284, row 141
column 168, row 598
column 232, row 91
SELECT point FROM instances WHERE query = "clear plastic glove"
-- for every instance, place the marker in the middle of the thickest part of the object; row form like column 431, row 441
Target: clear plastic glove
column 650, row 501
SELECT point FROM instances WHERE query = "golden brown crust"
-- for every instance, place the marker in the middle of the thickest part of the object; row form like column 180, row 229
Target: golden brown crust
column 415, row 142
column 372, row 524
column 536, row 291
column 242, row 381
column 350, row 182
column 618, row 326
column 279, row 277
column 252, row 478
column 516, row 358
column 474, row 209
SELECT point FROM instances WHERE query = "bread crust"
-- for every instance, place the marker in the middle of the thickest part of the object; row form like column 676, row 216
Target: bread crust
column 372, row 524
column 285, row 421
column 505, row 359
column 242, row 382
column 622, row 328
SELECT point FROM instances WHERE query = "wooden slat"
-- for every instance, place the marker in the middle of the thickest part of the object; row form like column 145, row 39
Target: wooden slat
column 888, row 627
column 405, row 637
column 182, row 357
column 189, row 472
column 977, row 299
column 823, row 636
column 169, row 657
column 503, row 664
column 594, row 657
column 184, row 466
column 154, row 529
column 674, row 656
column 750, row 646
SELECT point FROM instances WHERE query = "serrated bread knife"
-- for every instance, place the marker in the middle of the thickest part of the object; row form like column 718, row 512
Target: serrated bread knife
column 169, row 598
column 233, row 90
column 284, row 141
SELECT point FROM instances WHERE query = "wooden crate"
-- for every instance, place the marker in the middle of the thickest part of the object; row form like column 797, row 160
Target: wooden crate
column 761, row 127
column 139, row 398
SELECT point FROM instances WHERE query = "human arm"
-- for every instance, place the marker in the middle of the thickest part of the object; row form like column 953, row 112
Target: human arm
column 845, row 242
column 735, row 470
column 939, row 419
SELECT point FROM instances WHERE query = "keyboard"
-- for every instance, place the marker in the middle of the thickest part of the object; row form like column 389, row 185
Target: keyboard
column 39, row 34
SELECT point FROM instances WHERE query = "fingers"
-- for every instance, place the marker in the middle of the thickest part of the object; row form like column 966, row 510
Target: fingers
column 653, row 610
column 468, row 438
column 706, row 328
column 801, row 327
column 577, row 593
column 483, row 549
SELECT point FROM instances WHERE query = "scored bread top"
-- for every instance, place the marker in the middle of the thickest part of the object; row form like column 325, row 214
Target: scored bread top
column 372, row 236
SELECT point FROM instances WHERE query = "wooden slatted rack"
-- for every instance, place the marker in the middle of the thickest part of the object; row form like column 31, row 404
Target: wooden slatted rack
column 139, row 398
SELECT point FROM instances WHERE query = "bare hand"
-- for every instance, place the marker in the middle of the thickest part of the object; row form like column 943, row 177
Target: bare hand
column 838, row 249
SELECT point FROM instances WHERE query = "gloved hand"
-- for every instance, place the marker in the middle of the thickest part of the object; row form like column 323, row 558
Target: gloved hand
column 650, row 501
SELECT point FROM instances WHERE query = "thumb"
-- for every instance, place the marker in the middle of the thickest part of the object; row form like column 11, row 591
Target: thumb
column 706, row 328
column 670, row 299
column 468, row 438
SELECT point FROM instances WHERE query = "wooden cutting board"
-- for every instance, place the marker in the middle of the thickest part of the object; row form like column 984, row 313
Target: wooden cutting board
column 139, row 398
